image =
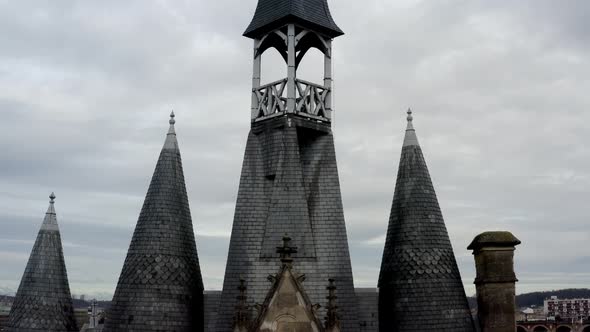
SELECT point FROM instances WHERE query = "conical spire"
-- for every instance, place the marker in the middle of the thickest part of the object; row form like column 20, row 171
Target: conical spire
column 43, row 301
column 419, row 280
column 160, row 287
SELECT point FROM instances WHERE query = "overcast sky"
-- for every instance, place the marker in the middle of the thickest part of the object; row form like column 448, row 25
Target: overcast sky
column 499, row 91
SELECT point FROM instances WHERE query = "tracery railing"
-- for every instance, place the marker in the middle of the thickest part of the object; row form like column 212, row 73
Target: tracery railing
column 271, row 98
column 310, row 99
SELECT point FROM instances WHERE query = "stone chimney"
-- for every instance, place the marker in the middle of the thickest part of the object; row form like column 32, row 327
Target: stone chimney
column 495, row 280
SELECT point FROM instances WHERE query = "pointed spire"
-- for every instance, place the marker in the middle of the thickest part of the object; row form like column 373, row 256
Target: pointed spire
column 161, row 279
column 50, row 221
column 171, row 141
column 411, row 138
column 419, row 279
column 43, row 301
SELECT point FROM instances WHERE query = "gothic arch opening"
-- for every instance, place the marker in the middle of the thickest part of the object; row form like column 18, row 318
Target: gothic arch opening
column 564, row 329
column 273, row 66
column 586, row 329
column 311, row 67
column 520, row 329
column 540, row 329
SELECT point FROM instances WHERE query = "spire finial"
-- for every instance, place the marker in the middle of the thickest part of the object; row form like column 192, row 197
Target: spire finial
column 410, row 138
column 52, row 198
column 410, row 120
column 172, row 121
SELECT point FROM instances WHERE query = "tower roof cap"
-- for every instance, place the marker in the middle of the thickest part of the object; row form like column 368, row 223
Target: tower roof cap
column 272, row 14
column 494, row 239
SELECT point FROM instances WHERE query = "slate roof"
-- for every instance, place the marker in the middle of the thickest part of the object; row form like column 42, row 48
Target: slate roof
column 289, row 184
column 160, row 287
column 272, row 14
column 43, row 301
column 420, row 287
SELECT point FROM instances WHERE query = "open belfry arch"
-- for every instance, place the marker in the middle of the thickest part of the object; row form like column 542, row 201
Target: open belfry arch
column 292, row 28
column 289, row 182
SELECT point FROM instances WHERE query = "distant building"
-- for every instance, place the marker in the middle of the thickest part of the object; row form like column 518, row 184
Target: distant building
column 533, row 313
column 567, row 309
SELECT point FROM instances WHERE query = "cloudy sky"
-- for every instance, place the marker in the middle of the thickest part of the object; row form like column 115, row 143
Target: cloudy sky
column 499, row 89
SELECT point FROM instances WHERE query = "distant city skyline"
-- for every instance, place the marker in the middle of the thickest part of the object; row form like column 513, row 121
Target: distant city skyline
column 499, row 93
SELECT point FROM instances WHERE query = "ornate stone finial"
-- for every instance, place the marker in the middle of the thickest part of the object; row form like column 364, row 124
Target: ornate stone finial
column 286, row 250
column 332, row 317
column 410, row 138
column 52, row 198
column 171, row 131
column 172, row 121
column 242, row 317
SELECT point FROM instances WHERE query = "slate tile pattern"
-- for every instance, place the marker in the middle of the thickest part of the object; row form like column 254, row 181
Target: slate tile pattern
column 43, row 301
column 211, row 303
column 420, row 287
column 160, row 287
column 303, row 173
column 368, row 310
column 272, row 14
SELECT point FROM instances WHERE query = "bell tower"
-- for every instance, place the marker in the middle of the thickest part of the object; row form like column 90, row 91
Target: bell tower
column 289, row 182
column 292, row 28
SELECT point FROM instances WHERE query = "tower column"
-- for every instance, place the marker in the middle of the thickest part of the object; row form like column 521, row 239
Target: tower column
column 256, row 77
column 328, row 78
column 495, row 280
column 291, row 74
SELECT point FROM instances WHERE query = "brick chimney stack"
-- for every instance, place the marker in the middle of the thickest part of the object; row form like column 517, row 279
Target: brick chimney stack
column 495, row 280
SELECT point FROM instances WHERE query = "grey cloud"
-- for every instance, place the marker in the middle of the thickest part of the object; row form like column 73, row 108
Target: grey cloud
column 499, row 91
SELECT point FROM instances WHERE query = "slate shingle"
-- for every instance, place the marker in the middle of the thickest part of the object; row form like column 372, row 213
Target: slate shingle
column 43, row 301
column 289, row 184
column 420, row 287
column 272, row 14
column 160, row 287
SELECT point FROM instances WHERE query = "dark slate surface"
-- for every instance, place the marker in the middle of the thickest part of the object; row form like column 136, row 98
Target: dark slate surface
column 420, row 285
column 305, row 158
column 160, row 287
column 43, row 301
column 211, row 304
column 368, row 310
column 272, row 14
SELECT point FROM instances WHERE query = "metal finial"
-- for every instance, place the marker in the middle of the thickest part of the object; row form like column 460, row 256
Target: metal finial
column 172, row 121
column 410, row 117
column 52, row 198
